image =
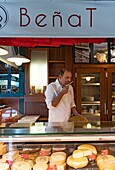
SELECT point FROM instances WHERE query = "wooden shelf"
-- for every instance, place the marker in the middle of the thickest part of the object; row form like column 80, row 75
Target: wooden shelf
column 59, row 57
column 56, row 61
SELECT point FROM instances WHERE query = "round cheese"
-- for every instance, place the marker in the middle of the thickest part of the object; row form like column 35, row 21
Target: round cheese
column 89, row 147
column 42, row 159
column 4, row 166
column 58, row 158
column 21, row 165
column 40, row 166
column 77, row 162
column 78, row 153
column 105, row 159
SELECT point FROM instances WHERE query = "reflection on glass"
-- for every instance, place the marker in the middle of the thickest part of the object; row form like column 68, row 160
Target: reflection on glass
column 90, row 95
column 9, row 83
column 82, row 53
column 100, row 54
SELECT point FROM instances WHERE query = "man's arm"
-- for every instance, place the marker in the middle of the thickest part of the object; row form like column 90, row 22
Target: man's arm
column 57, row 99
column 75, row 112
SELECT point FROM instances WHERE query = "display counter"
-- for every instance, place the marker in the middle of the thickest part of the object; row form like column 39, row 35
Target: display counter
column 31, row 141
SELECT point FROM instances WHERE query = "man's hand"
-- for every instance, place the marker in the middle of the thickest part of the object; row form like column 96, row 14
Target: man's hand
column 64, row 90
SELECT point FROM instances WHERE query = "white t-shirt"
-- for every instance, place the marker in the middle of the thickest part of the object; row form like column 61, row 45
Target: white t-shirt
column 62, row 111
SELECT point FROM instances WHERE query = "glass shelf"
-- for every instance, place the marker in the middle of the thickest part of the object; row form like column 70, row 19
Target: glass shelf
column 91, row 84
column 91, row 103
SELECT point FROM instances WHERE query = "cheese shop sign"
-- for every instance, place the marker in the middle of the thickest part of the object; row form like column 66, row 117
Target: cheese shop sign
column 57, row 18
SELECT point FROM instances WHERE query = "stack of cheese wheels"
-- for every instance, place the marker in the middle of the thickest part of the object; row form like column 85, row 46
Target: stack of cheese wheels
column 41, row 163
column 79, row 159
column 58, row 159
column 106, row 162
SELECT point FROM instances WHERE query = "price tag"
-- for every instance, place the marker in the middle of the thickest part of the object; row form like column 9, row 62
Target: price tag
column 25, row 156
column 92, row 157
column 9, row 162
column 53, row 167
column 104, row 152
column 43, row 153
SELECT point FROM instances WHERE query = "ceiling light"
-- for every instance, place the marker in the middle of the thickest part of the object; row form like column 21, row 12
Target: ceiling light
column 18, row 59
column 3, row 51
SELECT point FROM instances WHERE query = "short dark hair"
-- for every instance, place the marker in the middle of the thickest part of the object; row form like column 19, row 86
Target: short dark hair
column 62, row 71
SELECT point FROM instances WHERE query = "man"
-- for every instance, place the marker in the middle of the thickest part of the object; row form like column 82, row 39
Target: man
column 60, row 98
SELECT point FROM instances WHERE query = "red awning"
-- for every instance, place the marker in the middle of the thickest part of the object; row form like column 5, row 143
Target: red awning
column 33, row 42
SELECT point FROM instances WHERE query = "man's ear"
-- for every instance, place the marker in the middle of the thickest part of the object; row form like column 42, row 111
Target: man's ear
column 60, row 76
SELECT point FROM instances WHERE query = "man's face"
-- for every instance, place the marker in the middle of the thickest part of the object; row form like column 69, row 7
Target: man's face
column 66, row 78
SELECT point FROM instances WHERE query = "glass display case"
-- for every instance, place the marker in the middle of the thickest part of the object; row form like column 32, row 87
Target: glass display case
column 33, row 142
column 94, row 91
column 90, row 94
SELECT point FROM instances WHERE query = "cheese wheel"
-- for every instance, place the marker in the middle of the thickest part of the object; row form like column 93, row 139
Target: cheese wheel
column 42, row 159
column 11, row 156
column 77, row 153
column 78, row 162
column 21, row 165
column 86, row 152
column 61, row 167
column 40, row 166
column 58, row 158
column 105, row 160
column 2, row 160
column 19, row 158
column 31, row 163
column 110, row 166
column 88, row 146
column 1, row 143
column 58, row 148
column 4, row 166
column 3, row 149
